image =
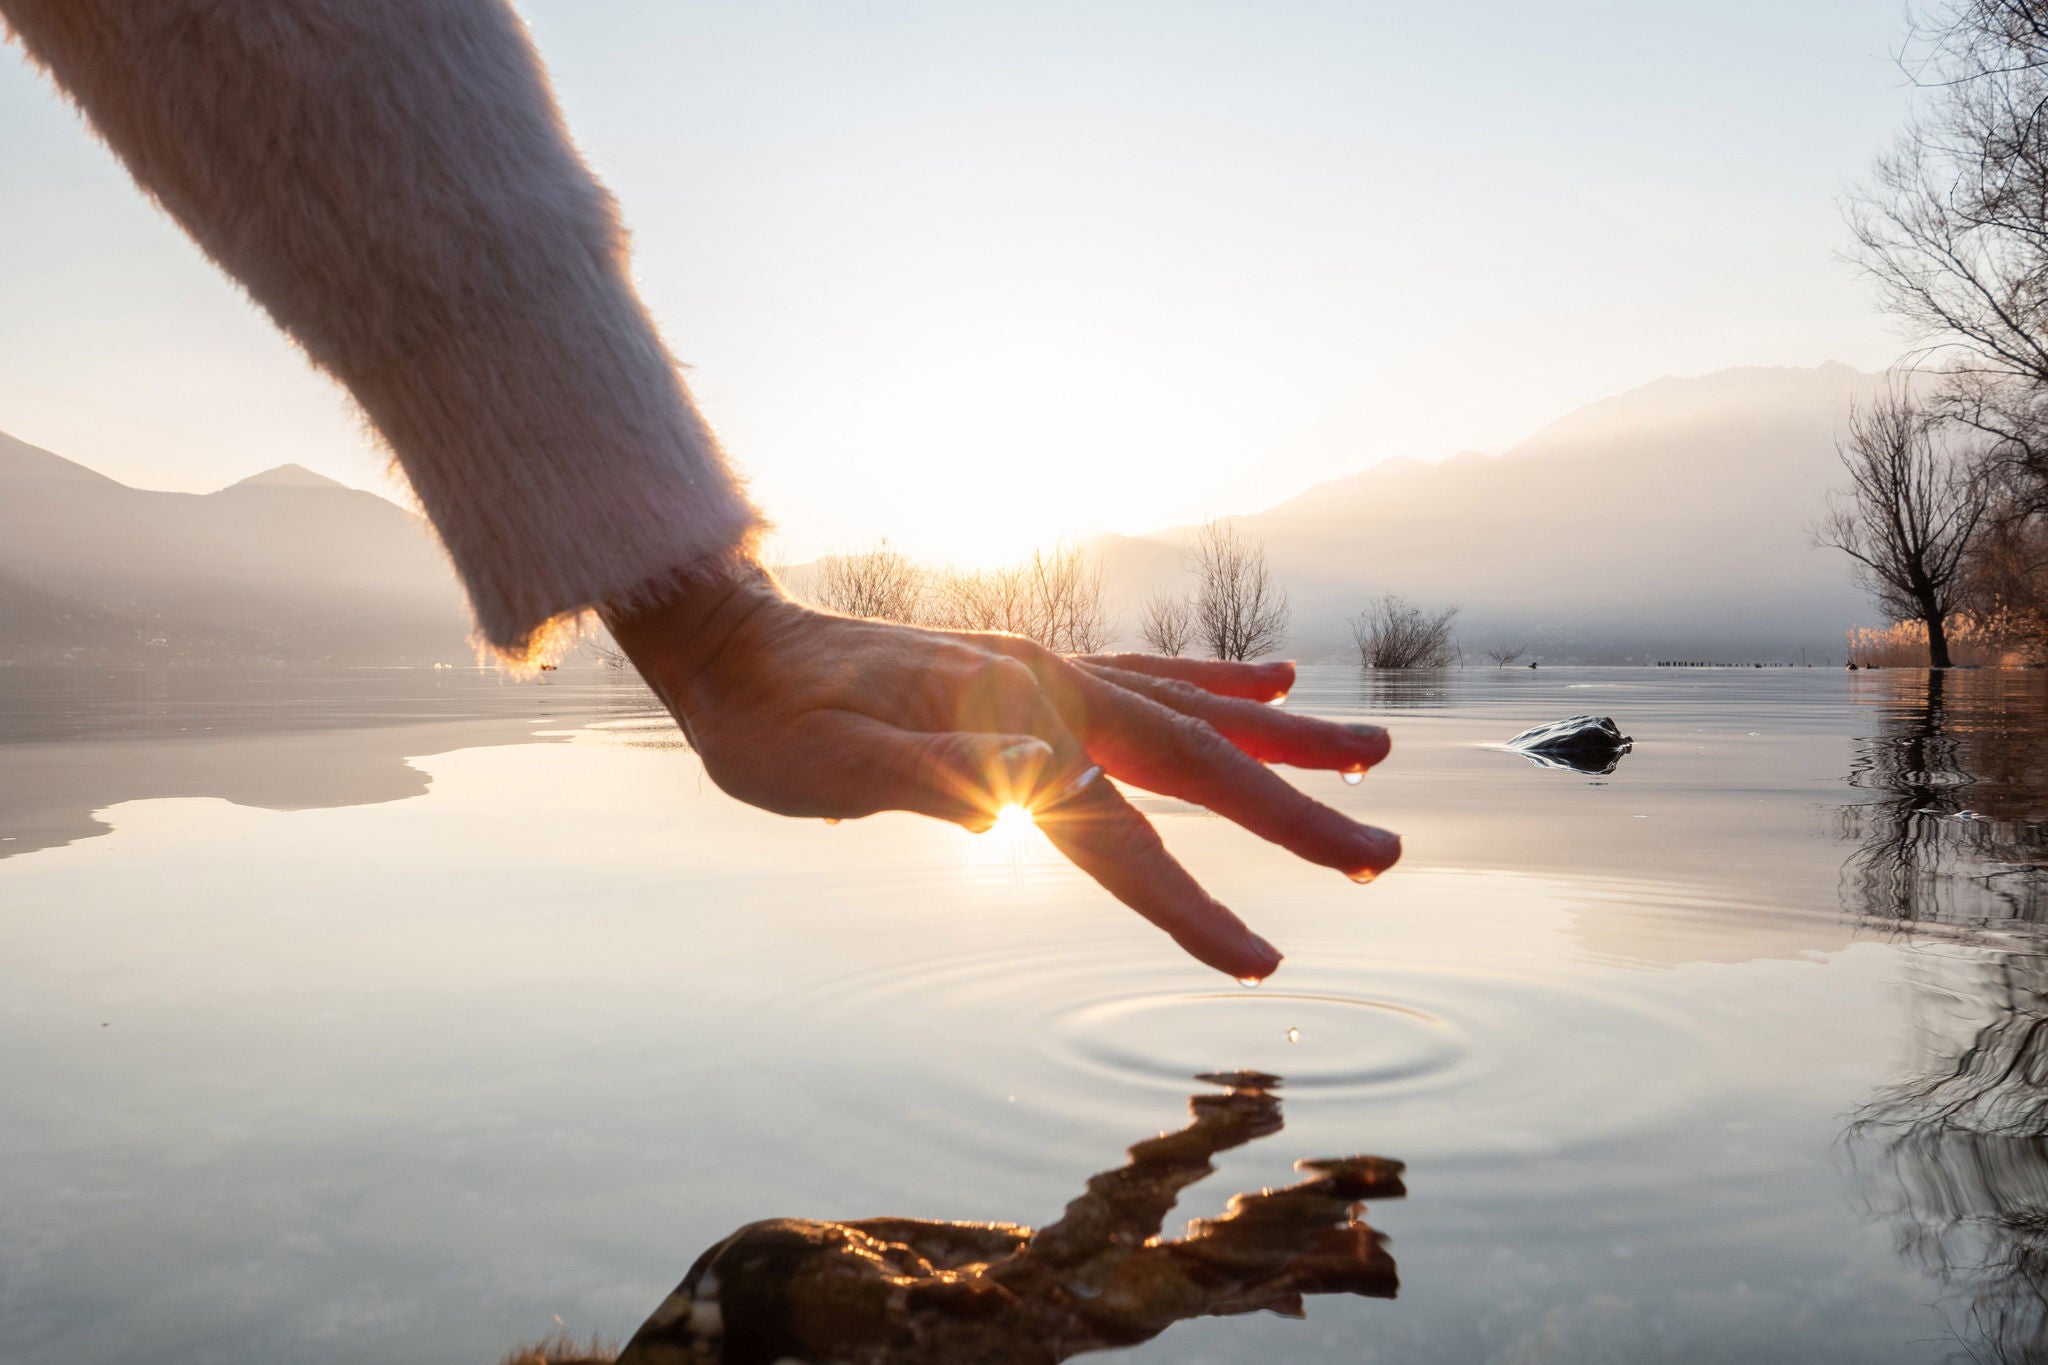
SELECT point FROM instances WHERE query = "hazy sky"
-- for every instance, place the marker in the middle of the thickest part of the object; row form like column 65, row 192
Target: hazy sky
column 971, row 275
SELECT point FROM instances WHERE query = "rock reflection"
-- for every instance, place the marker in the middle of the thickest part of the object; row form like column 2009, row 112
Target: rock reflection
column 907, row 1290
column 1955, row 827
column 1957, row 1157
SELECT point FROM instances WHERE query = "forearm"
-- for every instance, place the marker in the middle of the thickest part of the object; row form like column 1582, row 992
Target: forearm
column 390, row 179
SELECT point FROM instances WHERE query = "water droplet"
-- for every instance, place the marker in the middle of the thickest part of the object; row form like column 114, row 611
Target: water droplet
column 1364, row 875
column 1294, row 1035
column 1354, row 777
column 1250, row 983
column 831, row 819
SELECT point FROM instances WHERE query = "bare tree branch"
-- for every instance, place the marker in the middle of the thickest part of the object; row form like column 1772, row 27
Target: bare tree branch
column 1392, row 633
column 1240, row 612
column 880, row 583
column 1914, row 511
column 1168, row 623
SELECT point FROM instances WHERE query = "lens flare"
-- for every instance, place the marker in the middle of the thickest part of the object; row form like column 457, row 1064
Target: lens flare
column 1012, row 819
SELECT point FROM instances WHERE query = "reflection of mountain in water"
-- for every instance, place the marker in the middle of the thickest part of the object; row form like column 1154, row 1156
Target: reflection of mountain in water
column 902, row 1291
column 75, row 742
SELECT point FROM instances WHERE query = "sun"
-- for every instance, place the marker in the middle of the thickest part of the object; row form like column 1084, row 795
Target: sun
column 1012, row 839
column 1011, row 821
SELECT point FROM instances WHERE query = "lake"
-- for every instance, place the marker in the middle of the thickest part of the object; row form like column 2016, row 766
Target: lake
column 379, row 1016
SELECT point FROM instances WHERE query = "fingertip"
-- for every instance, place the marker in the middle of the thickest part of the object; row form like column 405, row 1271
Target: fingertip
column 1376, row 742
column 1266, row 957
column 1382, row 849
column 1227, row 944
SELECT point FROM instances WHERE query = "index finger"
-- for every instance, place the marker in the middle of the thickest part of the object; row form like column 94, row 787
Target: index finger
column 1104, row 836
column 1263, row 732
column 1251, row 682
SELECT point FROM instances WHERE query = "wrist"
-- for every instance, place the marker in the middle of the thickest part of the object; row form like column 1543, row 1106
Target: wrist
column 673, row 628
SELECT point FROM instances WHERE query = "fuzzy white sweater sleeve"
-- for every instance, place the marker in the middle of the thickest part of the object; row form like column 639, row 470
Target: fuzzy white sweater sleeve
column 392, row 181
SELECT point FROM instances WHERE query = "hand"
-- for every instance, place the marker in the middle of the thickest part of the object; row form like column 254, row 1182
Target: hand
column 807, row 713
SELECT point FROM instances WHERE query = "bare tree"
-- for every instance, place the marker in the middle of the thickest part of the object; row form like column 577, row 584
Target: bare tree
column 1066, row 595
column 1239, row 611
column 1392, row 633
column 1056, row 598
column 1504, row 654
column 1953, row 223
column 1168, row 623
column 978, row 599
column 880, row 583
column 1914, row 511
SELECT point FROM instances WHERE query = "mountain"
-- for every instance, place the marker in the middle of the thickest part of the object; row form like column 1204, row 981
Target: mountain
column 1666, row 522
column 286, row 476
column 287, row 565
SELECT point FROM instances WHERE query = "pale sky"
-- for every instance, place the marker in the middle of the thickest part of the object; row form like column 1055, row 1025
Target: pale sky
column 975, row 275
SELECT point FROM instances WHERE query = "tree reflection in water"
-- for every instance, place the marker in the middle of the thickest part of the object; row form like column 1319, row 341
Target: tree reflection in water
column 1402, row 689
column 903, row 1290
column 1954, row 828
column 1956, row 1154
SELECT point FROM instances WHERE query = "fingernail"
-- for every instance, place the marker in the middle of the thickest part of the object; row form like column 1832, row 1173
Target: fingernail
column 1018, row 768
column 1264, row 952
column 1381, row 849
column 1023, row 750
column 1374, row 737
column 1081, row 782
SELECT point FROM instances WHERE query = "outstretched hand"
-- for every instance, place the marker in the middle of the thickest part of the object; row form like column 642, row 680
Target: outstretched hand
column 806, row 713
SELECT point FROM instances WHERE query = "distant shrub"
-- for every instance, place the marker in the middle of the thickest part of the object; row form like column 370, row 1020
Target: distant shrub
column 879, row 583
column 562, row 1349
column 1055, row 597
column 1973, row 640
column 1392, row 633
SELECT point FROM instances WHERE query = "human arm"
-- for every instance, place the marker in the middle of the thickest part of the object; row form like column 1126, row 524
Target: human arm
column 391, row 181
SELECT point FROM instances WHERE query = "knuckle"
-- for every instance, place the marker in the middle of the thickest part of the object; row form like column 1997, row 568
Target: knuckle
column 1016, row 676
column 1194, row 741
column 1183, row 695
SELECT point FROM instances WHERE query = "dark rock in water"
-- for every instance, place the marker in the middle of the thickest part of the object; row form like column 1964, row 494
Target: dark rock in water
column 1582, row 744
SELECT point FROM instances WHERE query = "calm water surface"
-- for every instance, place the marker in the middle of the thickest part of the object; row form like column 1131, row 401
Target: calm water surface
column 398, row 1016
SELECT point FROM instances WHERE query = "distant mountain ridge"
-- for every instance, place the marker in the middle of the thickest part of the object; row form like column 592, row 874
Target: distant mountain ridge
column 1669, row 521
column 284, row 565
column 286, row 476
